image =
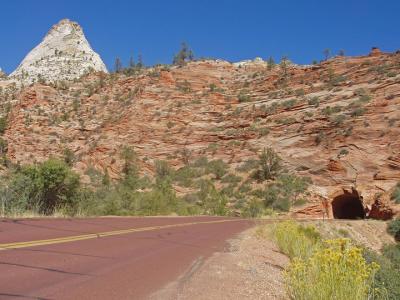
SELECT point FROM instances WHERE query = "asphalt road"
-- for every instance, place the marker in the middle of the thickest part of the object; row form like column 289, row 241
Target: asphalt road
column 104, row 258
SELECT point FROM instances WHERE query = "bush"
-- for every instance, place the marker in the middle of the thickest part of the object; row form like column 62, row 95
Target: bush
column 231, row 178
column 269, row 165
column 3, row 125
column 336, row 271
column 274, row 198
column 314, row 101
column 283, row 193
column 163, row 170
column 296, row 241
column 243, row 97
column 248, row 165
column 396, row 194
column 253, row 209
column 43, row 188
column 387, row 278
column 217, row 167
column 212, row 201
column 184, row 176
column 392, row 252
column 394, row 228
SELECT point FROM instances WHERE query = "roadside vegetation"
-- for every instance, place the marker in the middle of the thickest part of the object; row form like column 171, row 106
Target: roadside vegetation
column 336, row 268
column 258, row 187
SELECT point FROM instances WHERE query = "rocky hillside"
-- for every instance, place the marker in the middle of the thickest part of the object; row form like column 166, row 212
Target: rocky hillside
column 64, row 54
column 336, row 122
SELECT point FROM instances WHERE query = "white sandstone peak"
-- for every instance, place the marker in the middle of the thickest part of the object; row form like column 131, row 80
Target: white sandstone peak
column 64, row 54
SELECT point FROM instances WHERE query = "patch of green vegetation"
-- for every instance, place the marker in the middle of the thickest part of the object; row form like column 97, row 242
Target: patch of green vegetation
column 217, row 167
column 314, row 101
column 244, row 97
column 394, row 228
column 3, row 125
column 289, row 103
column 248, row 165
column 269, row 165
column 395, row 196
column 231, row 178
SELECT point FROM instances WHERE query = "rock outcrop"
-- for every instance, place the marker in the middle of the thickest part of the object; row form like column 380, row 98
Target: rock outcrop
column 337, row 122
column 64, row 54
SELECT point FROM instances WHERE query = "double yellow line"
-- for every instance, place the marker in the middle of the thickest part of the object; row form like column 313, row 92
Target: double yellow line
column 98, row 235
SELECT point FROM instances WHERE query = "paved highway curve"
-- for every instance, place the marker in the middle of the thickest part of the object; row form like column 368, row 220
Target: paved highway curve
column 104, row 258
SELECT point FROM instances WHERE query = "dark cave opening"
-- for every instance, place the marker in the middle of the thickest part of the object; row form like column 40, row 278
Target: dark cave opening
column 348, row 206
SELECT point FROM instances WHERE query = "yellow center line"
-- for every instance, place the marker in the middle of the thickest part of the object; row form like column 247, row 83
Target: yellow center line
column 17, row 245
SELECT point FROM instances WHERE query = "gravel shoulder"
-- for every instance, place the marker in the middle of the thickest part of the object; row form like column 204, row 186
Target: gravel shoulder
column 251, row 267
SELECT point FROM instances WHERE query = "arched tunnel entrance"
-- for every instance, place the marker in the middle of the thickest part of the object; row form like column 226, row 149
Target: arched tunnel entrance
column 348, row 205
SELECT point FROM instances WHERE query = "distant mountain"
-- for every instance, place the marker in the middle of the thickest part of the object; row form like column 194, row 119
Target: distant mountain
column 63, row 54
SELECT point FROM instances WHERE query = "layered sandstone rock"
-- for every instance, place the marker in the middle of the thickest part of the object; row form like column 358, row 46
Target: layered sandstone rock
column 337, row 122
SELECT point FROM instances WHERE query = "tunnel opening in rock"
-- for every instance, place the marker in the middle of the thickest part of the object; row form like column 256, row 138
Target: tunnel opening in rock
column 348, row 206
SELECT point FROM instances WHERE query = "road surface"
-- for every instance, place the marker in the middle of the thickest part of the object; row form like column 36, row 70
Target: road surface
column 104, row 258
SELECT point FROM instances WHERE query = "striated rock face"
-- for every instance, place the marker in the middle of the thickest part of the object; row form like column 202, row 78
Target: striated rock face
column 337, row 122
column 63, row 54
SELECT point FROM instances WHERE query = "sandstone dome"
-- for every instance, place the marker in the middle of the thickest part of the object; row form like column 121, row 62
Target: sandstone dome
column 64, row 54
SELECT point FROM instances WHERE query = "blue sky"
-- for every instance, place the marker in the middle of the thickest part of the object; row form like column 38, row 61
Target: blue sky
column 233, row 30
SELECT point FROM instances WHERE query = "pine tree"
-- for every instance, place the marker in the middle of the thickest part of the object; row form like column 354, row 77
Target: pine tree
column 140, row 63
column 184, row 55
column 271, row 63
column 117, row 65
column 327, row 53
column 131, row 63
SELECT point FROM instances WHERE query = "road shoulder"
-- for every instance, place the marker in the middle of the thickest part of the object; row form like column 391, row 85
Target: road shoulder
column 249, row 268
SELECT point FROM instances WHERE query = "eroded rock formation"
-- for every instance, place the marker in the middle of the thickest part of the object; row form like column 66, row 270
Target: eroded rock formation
column 64, row 54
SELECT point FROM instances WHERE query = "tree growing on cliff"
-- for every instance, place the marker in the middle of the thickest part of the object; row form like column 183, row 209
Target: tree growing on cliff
column 118, row 65
column 183, row 56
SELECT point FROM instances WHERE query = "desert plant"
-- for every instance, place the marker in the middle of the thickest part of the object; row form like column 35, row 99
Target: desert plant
column 44, row 187
column 163, row 170
column 394, row 228
column 395, row 196
column 270, row 165
column 336, row 271
column 217, row 167
column 296, row 241
column 387, row 278
column 184, row 55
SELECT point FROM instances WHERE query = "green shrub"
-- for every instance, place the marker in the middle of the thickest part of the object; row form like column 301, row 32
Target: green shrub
column 253, row 209
column 394, row 228
column 3, row 125
column 43, row 188
column 163, row 170
column 270, row 165
column 387, row 278
column 231, row 178
column 289, row 103
column 184, row 176
column 396, row 194
column 392, row 252
column 217, row 167
column 296, row 241
column 201, row 162
column 248, row 165
column 359, row 111
column 314, row 101
column 243, row 97
column 213, row 202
